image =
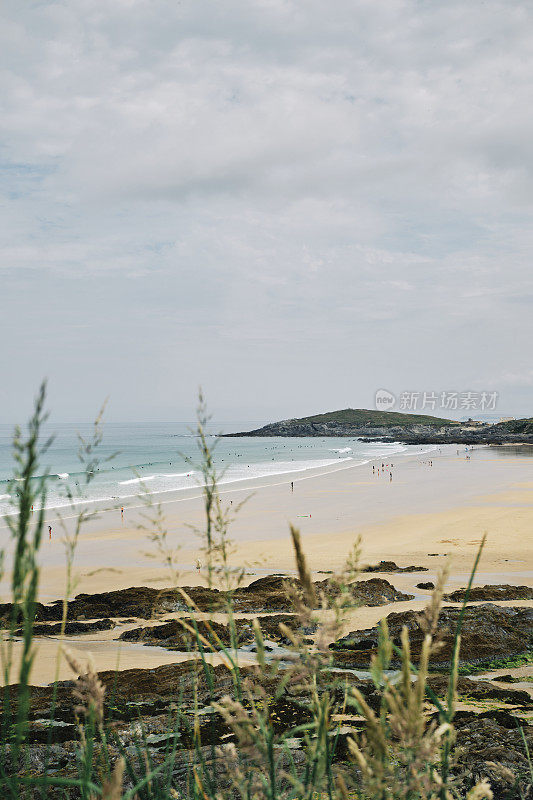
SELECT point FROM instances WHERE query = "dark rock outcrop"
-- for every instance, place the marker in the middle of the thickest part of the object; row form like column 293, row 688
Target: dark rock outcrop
column 496, row 592
column 489, row 632
column 373, row 592
column 137, row 601
column 481, row 690
column 268, row 594
column 71, row 628
column 429, row 585
column 482, row 744
column 390, row 566
column 175, row 636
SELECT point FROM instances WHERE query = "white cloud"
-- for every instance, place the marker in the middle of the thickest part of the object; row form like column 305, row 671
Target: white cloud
column 357, row 175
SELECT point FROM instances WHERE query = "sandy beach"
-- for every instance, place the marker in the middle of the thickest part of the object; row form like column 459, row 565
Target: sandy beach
column 426, row 515
column 443, row 509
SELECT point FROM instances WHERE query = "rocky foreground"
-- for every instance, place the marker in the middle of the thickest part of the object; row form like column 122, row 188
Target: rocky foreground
column 264, row 594
column 170, row 702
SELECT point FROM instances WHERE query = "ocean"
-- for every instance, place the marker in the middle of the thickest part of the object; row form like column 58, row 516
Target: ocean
column 163, row 457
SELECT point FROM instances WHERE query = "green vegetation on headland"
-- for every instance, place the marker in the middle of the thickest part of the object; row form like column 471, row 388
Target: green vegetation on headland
column 386, row 419
column 516, row 426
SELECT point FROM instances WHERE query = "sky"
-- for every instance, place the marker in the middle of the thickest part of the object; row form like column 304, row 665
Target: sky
column 292, row 203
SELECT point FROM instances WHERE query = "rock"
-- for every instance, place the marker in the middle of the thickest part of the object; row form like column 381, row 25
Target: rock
column 390, row 566
column 374, row 592
column 41, row 730
column 428, row 585
column 482, row 744
column 71, row 628
column 489, row 632
column 175, row 636
column 480, row 690
column 507, row 678
column 265, row 594
column 137, row 601
column 270, row 593
column 270, row 627
column 499, row 715
column 496, row 592
column 6, row 613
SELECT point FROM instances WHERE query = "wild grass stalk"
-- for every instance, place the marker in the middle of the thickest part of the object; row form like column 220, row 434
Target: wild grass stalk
column 28, row 490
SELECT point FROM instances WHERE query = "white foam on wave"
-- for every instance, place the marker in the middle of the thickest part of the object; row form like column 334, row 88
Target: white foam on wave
column 264, row 469
column 131, row 481
column 340, row 449
column 382, row 449
column 62, row 476
column 147, row 478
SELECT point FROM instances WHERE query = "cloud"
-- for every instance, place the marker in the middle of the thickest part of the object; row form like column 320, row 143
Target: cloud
column 355, row 176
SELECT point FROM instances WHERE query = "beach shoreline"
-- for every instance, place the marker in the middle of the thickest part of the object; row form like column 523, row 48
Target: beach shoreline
column 435, row 510
column 444, row 508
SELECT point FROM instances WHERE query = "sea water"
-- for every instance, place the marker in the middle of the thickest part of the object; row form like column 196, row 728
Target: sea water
column 164, row 457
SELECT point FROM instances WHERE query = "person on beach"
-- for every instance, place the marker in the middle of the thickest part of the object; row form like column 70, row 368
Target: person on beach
column 198, row 565
column 122, row 512
column 50, row 532
column 292, row 486
column 390, row 476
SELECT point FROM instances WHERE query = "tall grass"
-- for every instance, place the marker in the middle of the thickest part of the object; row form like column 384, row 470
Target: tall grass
column 398, row 752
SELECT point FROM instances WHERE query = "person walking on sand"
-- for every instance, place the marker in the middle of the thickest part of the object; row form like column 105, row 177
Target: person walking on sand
column 122, row 512
column 390, row 476
column 50, row 532
column 292, row 486
column 198, row 565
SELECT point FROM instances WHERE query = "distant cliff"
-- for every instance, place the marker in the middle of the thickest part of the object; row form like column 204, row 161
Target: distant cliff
column 391, row 426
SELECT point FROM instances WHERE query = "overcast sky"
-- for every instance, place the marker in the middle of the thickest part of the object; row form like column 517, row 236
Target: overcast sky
column 291, row 202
